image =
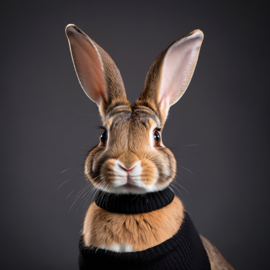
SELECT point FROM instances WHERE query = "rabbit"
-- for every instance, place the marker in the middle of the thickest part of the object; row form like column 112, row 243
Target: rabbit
column 136, row 220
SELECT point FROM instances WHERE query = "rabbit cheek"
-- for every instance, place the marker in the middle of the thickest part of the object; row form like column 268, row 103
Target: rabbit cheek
column 89, row 164
column 107, row 174
column 167, row 169
column 149, row 174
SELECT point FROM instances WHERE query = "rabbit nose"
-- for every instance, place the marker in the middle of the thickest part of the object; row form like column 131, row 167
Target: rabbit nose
column 131, row 175
column 133, row 171
column 123, row 167
column 127, row 160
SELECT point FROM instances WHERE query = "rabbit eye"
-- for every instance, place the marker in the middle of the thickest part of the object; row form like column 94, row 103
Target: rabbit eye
column 103, row 137
column 156, row 137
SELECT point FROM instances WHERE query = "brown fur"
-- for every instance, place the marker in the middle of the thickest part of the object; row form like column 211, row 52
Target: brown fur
column 128, row 142
column 217, row 261
column 128, row 130
column 150, row 93
column 141, row 231
column 93, row 64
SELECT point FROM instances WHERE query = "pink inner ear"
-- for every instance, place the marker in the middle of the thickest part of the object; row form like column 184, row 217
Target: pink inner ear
column 178, row 68
column 90, row 74
column 87, row 65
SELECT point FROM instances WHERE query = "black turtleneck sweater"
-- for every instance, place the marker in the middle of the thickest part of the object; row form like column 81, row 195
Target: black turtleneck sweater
column 183, row 251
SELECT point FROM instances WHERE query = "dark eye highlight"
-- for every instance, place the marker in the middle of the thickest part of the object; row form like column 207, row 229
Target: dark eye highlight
column 103, row 137
column 156, row 137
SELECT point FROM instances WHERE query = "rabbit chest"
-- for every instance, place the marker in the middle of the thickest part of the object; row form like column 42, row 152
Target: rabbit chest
column 131, row 232
column 137, row 232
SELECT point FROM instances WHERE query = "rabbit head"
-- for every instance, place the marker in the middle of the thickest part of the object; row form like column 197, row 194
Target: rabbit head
column 130, row 156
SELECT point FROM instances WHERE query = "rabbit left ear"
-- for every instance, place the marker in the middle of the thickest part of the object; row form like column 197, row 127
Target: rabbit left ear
column 97, row 72
column 170, row 74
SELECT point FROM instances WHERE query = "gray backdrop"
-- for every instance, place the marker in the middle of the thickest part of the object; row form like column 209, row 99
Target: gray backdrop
column 219, row 130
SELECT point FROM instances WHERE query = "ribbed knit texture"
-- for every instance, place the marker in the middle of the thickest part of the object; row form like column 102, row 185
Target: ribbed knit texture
column 134, row 203
column 183, row 251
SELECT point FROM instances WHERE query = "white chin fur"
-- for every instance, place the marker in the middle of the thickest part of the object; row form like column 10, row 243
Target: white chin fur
column 118, row 247
column 133, row 190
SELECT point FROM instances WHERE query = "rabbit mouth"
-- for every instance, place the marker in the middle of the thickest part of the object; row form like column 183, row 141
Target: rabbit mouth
column 128, row 185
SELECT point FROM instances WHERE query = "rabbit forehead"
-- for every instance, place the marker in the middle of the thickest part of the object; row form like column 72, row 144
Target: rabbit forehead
column 140, row 114
column 130, row 131
column 132, row 122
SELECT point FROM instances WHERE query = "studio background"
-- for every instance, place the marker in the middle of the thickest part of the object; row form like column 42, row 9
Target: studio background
column 219, row 129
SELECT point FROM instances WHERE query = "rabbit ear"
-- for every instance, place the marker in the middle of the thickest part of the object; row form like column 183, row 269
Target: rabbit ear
column 170, row 74
column 97, row 73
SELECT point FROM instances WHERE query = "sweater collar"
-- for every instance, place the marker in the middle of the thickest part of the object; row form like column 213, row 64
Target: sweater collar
column 134, row 203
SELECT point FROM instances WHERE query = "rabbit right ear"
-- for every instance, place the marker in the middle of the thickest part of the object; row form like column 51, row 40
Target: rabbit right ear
column 170, row 74
column 96, row 71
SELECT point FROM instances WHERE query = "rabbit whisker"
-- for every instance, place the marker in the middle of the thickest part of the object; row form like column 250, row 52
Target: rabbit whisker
column 78, row 196
column 176, row 188
column 89, row 185
column 69, row 180
column 86, row 192
column 185, row 169
column 71, row 168
column 91, row 191
column 175, row 182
